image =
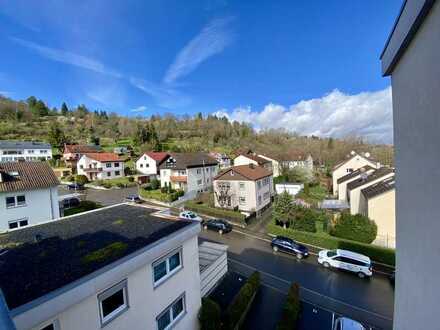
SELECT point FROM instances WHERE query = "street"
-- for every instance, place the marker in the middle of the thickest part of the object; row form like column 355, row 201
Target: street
column 367, row 300
column 104, row 197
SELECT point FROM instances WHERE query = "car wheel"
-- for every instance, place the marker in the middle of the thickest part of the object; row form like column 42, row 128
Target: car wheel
column 205, row 227
column 326, row 264
column 275, row 248
column 220, row 231
column 299, row 256
column 361, row 275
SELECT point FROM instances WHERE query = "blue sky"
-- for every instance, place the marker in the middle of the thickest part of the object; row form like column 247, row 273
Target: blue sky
column 277, row 64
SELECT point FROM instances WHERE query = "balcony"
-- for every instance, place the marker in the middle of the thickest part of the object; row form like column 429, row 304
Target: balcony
column 178, row 178
column 92, row 169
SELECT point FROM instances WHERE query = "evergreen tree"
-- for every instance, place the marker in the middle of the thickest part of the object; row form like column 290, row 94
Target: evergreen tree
column 56, row 136
column 64, row 109
column 282, row 207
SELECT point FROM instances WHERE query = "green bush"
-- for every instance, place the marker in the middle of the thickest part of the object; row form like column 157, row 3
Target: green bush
column 155, row 184
column 210, row 315
column 291, row 309
column 215, row 212
column 239, row 306
column 376, row 253
column 81, row 179
column 130, row 179
column 83, row 206
column 354, row 227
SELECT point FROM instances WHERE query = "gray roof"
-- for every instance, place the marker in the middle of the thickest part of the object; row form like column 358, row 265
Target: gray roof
column 19, row 176
column 209, row 253
column 6, row 144
column 354, row 173
column 182, row 161
column 334, row 204
column 379, row 188
column 37, row 260
column 381, row 172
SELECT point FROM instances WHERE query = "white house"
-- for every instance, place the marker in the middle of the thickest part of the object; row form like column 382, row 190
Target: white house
column 118, row 267
column 148, row 163
column 28, row 194
column 291, row 188
column 11, row 151
column 251, row 158
column 73, row 152
column 346, row 179
column 191, row 172
column 223, row 160
column 353, row 162
column 248, row 188
column 100, row 166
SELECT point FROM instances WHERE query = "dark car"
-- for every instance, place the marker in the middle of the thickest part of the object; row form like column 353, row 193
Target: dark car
column 133, row 199
column 219, row 225
column 288, row 245
column 75, row 186
column 70, row 202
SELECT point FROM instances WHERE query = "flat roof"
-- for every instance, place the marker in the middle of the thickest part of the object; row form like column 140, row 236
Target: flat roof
column 39, row 259
column 8, row 144
column 209, row 252
column 334, row 204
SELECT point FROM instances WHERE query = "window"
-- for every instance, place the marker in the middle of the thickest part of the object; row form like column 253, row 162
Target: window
column 207, row 169
column 113, row 302
column 117, row 173
column 242, row 200
column 167, row 266
column 21, row 200
column 15, row 201
column 199, row 182
column 171, row 314
column 109, row 173
column 116, row 164
column 18, row 223
column 147, row 165
column 241, row 185
column 199, row 171
column 10, row 201
column 108, row 165
column 259, row 184
column 266, row 195
column 31, row 151
column 142, row 165
column 259, row 199
column 53, row 325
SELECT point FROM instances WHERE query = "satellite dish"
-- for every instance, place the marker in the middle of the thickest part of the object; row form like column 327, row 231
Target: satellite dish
column 367, row 154
column 352, row 153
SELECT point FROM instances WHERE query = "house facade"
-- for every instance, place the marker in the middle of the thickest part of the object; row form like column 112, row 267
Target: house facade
column 148, row 163
column 353, row 162
column 100, row 166
column 73, row 152
column 222, row 159
column 12, row 151
column 250, row 158
column 152, row 281
column 378, row 202
column 297, row 159
column 190, row 172
column 28, row 194
column 346, row 179
column 248, row 188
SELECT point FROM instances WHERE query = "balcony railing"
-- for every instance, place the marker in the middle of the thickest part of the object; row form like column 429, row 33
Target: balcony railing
column 93, row 169
column 178, row 178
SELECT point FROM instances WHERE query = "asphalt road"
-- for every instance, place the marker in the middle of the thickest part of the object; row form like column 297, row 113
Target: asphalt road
column 104, row 197
column 367, row 300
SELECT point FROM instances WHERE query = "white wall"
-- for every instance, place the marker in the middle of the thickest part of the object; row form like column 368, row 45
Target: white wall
column 41, row 205
column 342, row 187
column 105, row 174
column 243, row 160
column 146, row 165
column 26, row 154
column 198, row 179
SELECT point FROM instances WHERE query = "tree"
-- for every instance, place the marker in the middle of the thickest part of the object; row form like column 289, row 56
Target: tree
column 210, row 315
column 56, row 136
column 281, row 208
column 81, row 179
column 64, row 109
column 354, row 227
column 291, row 309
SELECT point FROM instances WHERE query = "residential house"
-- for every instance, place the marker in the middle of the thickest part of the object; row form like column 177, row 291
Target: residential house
column 251, row 158
column 223, row 160
column 248, row 188
column 291, row 188
column 120, row 150
column 148, row 163
column 355, row 187
column 28, row 194
column 191, row 172
column 410, row 58
column 118, row 267
column 296, row 159
column 11, row 151
column 378, row 202
column 344, row 180
column 73, row 152
column 353, row 162
column 100, row 166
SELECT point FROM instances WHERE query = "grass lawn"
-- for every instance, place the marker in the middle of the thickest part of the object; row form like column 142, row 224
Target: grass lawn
column 83, row 207
column 316, row 194
column 117, row 182
column 158, row 195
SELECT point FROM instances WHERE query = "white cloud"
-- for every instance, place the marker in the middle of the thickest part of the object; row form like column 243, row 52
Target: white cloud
column 213, row 38
column 5, row 93
column 367, row 114
column 63, row 56
column 141, row 108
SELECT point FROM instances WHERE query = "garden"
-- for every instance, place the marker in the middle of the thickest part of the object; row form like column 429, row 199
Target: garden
column 82, row 207
column 165, row 194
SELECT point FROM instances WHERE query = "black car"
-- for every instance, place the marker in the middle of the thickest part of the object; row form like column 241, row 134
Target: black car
column 288, row 245
column 75, row 186
column 219, row 225
column 133, row 199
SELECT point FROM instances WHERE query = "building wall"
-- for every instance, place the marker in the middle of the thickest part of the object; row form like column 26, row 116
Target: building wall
column 41, row 205
column 416, row 104
column 352, row 165
column 342, row 187
column 242, row 160
column 276, row 168
column 382, row 209
column 105, row 174
column 148, row 165
column 24, row 154
column 198, row 179
column 145, row 301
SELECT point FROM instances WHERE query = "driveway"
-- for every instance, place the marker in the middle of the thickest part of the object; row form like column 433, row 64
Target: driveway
column 104, row 197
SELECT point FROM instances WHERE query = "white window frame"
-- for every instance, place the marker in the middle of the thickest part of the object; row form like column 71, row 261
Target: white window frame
column 242, row 185
column 169, row 309
column 106, row 294
column 18, row 223
column 108, row 165
column 55, row 323
column 169, row 273
column 199, row 182
column 16, row 201
column 242, row 200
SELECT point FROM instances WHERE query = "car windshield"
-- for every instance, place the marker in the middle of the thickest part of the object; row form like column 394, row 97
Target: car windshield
column 191, row 215
column 331, row 253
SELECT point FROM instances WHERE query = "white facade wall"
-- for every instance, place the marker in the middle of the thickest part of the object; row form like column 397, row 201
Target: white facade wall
column 276, row 168
column 41, row 206
column 107, row 170
column 10, row 155
column 198, row 179
column 146, row 165
column 145, row 301
column 243, row 160
column 306, row 164
column 342, row 187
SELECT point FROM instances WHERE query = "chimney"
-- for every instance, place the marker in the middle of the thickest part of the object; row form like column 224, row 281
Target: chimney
column 252, row 166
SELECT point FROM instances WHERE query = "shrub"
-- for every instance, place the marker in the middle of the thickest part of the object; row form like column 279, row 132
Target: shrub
column 81, row 179
column 155, row 184
column 130, row 179
column 107, row 185
column 210, row 315
column 239, row 306
column 215, row 212
column 282, row 207
column 355, row 227
column 120, row 185
column 306, row 189
column 291, row 309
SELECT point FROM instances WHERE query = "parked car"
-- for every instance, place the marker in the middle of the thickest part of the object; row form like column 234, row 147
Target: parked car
column 70, row 202
column 219, row 225
column 189, row 215
column 346, row 260
column 288, row 245
column 344, row 323
column 75, row 186
column 133, row 199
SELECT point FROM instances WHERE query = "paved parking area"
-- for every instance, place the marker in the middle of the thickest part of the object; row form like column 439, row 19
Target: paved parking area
column 104, row 197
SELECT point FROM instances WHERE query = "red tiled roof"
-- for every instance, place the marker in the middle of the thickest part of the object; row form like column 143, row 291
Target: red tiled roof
column 104, row 157
column 157, row 156
column 80, row 149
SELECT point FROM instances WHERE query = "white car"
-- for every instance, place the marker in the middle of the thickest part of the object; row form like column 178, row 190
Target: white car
column 347, row 260
column 189, row 215
column 344, row 323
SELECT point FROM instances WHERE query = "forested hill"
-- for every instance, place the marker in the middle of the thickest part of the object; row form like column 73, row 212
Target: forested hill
column 33, row 120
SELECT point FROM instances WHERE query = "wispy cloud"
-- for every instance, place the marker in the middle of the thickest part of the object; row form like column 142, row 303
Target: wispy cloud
column 213, row 38
column 367, row 114
column 141, row 108
column 5, row 93
column 60, row 55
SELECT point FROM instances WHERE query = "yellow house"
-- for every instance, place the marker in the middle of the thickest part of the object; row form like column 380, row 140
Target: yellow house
column 378, row 202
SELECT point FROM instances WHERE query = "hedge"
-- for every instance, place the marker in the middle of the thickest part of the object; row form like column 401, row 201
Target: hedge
column 237, row 310
column 354, row 227
column 210, row 315
column 204, row 209
column 376, row 253
column 291, row 309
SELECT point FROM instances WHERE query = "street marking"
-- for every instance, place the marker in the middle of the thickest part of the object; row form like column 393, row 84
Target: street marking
column 312, row 291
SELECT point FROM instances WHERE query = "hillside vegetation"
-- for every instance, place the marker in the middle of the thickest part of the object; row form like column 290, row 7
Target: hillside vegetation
column 33, row 120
